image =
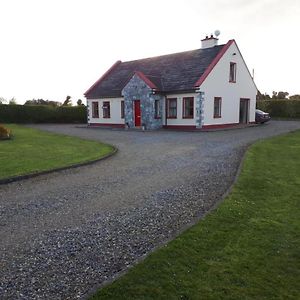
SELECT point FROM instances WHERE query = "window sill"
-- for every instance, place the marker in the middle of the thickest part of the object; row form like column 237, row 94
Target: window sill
column 171, row 117
column 232, row 81
column 106, row 117
column 192, row 117
column 217, row 117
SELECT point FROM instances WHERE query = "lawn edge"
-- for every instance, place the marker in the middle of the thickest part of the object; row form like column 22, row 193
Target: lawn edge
column 88, row 295
column 73, row 166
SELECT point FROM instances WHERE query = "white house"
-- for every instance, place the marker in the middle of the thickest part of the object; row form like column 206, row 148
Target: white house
column 205, row 88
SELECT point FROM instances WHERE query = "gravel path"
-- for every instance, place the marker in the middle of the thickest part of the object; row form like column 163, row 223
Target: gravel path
column 64, row 233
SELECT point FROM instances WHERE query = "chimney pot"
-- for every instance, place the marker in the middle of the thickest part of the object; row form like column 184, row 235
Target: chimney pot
column 209, row 42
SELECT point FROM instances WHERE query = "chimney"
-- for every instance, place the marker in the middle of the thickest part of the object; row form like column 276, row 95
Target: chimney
column 209, row 42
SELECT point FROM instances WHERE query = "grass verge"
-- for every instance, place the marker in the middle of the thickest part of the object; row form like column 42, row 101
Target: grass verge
column 248, row 248
column 31, row 151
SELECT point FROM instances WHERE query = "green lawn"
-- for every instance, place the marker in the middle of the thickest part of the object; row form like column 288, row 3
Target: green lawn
column 32, row 150
column 248, row 248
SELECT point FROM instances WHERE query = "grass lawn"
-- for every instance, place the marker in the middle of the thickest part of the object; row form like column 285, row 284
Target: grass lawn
column 248, row 248
column 32, row 150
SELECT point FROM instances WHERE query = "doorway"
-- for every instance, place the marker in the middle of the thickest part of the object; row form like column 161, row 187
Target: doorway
column 137, row 113
column 244, row 111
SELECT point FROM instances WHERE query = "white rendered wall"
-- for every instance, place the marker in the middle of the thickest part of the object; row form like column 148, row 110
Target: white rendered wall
column 115, row 111
column 180, row 120
column 217, row 85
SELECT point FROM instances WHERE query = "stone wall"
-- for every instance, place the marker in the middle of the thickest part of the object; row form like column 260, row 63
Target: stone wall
column 137, row 89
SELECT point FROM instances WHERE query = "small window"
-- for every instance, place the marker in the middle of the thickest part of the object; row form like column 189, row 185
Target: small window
column 172, row 108
column 157, row 114
column 122, row 110
column 217, row 107
column 95, row 109
column 106, row 109
column 232, row 72
column 188, row 108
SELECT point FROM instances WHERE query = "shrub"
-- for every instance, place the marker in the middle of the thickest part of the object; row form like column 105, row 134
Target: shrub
column 5, row 133
column 42, row 114
column 280, row 108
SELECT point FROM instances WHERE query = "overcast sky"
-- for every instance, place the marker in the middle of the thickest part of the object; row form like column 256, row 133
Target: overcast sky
column 53, row 48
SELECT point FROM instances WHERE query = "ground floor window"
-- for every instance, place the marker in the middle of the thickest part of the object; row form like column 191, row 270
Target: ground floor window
column 122, row 110
column 188, row 108
column 172, row 108
column 106, row 109
column 157, row 114
column 217, row 107
column 95, row 109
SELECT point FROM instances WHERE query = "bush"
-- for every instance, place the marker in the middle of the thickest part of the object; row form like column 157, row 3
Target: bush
column 42, row 114
column 5, row 133
column 280, row 108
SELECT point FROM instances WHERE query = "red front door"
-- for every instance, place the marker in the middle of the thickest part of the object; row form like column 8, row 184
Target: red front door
column 137, row 113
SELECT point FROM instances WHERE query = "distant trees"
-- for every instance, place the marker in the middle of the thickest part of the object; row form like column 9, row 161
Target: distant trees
column 79, row 102
column 277, row 96
column 68, row 101
column 10, row 101
column 42, row 102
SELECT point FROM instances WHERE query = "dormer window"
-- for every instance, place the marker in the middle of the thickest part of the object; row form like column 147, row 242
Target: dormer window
column 232, row 72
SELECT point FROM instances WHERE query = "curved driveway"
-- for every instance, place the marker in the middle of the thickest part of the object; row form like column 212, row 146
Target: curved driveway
column 64, row 233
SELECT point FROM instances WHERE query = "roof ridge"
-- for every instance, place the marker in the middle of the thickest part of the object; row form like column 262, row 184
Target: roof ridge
column 176, row 53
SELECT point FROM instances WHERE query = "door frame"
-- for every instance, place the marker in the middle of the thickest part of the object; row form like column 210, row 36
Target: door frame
column 246, row 113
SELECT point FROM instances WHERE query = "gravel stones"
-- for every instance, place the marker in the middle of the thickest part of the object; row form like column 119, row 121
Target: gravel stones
column 64, row 233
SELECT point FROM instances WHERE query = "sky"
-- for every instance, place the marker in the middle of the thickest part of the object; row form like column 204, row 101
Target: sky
column 53, row 48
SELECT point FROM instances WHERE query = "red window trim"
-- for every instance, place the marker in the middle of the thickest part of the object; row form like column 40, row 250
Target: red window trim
column 183, row 108
column 94, row 116
column 220, row 115
column 106, row 117
column 168, row 99
column 234, row 75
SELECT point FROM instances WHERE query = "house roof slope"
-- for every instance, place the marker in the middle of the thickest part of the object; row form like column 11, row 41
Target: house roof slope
column 169, row 73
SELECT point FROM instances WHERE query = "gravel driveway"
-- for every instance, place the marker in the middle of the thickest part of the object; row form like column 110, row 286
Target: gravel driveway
column 64, row 233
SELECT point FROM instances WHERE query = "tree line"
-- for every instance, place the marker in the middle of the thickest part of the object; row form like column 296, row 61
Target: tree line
column 277, row 96
column 67, row 102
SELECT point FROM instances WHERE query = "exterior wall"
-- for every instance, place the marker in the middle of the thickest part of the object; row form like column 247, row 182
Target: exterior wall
column 180, row 121
column 115, row 112
column 137, row 89
column 217, row 85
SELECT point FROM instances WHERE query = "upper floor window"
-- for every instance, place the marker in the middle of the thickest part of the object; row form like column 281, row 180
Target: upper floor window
column 157, row 114
column 122, row 110
column 188, row 108
column 106, row 109
column 95, row 109
column 232, row 72
column 217, row 107
column 172, row 108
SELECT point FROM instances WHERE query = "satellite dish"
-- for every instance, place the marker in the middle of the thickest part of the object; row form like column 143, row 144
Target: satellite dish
column 217, row 32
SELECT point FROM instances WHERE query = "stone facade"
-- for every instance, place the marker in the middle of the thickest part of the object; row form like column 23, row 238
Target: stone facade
column 137, row 89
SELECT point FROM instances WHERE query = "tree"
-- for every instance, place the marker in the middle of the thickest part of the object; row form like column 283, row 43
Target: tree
column 42, row 102
column 282, row 95
column 295, row 97
column 79, row 102
column 68, row 101
column 12, row 101
column 2, row 100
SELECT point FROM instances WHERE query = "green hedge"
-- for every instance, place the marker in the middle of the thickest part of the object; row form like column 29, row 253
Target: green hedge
column 42, row 114
column 280, row 108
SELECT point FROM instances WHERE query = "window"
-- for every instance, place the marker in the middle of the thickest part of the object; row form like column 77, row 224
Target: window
column 217, row 107
column 188, row 108
column 157, row 109
column 106, row 109
column 172, row 108
column 232, row 72
column 95, row 109
column 122, row 110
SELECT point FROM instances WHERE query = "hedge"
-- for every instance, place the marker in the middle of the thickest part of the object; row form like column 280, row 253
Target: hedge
column 280, row 108
column 42, row 114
